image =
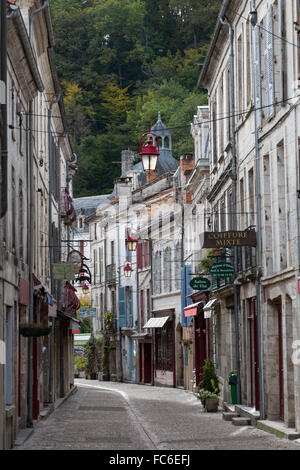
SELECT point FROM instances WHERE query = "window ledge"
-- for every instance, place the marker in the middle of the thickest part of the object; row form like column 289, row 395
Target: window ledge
column 9, row 410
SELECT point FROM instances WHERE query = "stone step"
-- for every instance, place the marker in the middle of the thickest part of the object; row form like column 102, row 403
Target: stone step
column 241, row 421
column 228, row 407
column 228, row 415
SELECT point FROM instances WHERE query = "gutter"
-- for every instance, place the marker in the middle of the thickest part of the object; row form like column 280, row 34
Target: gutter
column 17, row 17
column 57, row 87
column 212, row 46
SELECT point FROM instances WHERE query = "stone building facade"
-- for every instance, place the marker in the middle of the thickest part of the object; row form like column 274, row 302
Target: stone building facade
column 39, row 153
column 266, row 90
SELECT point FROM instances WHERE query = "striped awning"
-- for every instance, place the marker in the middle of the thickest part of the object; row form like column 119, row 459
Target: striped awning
column 156, row 322
column 209, row 304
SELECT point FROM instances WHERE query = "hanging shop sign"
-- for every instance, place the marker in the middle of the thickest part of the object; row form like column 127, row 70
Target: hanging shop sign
column 64, row 271
column 222, row 270
column 200, row 283
column 87, row 312
column 229, row 239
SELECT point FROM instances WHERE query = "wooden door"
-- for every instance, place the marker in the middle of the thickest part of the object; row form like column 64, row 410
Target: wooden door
column 280, row 364
column 35, row 401
column 200, row 346
column 147, row 363
column 253, row 354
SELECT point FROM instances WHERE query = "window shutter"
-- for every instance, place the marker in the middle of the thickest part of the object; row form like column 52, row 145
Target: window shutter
column 188, row 290
column 281, row 52
column 145, row 254
column 257, row 71
column 122, row 307
column 148, row 304
column 269, row 62
column 139, row 256
column 130, row 308
column 142, row 309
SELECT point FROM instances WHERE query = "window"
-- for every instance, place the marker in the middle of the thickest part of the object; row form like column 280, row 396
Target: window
column 249, row 60
column 21, row 220
column 251, row 197
column 142, row 306
column 9, row 356
column 240, row 71
column 95, row 267
column 13, row 208
column 112, row 252
column 268, row 63
column 100, row 264
column 214, row 132
column 148, row 304
column 167, row 270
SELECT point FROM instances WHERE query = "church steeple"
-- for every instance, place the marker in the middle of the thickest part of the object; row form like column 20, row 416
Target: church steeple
column 165, row 138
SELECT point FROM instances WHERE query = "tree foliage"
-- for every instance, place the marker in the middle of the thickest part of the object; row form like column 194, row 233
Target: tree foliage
column 120, row 62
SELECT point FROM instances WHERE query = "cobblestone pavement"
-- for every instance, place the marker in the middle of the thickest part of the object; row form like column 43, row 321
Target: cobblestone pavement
column 119, row 416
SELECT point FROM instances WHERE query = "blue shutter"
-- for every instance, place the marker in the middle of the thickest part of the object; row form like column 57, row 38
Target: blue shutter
column 122, row 307
column 188, row 291
column 130, row 308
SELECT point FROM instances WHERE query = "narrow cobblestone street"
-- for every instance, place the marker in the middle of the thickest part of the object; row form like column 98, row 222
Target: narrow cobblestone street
column 119, row 416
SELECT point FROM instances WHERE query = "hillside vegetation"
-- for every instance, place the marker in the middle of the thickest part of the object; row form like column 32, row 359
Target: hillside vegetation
column 120, row 62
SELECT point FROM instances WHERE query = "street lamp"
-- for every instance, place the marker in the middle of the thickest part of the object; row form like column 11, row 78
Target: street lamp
column 149, row 152
column 131, row 243
column 127, row 270
column 85, row 288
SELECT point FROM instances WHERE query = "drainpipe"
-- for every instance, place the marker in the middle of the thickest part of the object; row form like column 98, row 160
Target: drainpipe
column 3, row 76
column 259, row 244
column 234, row 203
column 31, row 18
column 50, row 149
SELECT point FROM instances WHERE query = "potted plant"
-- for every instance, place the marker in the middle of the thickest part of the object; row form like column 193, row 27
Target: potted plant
column 79, row 366
column 208, row 390
column 93, row 358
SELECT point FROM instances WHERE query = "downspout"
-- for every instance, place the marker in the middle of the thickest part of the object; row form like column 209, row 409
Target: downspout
column 234, row 203
column 31, row 18
column 3, row 76
column 259, row 244
column 50, row 149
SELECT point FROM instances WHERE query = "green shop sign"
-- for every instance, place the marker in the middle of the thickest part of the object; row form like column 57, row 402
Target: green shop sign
column 222, row 270
column 200, row 283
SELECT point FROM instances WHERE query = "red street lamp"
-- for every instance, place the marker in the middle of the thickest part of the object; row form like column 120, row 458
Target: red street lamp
column 131, row 243
column 85, row 288
column 127, row 270
column 149, row 152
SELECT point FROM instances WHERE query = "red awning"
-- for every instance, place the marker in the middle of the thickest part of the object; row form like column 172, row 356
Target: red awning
column 192, row 310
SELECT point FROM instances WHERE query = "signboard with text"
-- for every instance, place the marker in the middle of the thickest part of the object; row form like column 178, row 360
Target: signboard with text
column 229, row 239
column 200, row 283
column 87, row 312
column 64, row 271
column 222, row 270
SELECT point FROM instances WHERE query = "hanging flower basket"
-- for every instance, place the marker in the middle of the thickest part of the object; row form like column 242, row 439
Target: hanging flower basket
column 31, row 330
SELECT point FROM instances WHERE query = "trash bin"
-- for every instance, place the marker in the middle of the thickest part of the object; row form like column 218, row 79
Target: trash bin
column 233, row 386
